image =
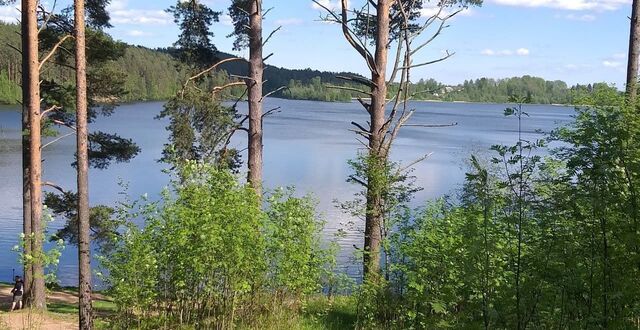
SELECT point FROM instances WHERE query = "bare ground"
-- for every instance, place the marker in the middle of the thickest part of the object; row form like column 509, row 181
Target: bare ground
column 29, row 319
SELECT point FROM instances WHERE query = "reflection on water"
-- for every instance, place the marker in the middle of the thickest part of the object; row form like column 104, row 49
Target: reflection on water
column 307, row 145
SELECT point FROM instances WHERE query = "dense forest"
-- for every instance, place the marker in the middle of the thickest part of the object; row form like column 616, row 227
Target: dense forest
column 155, row 75
column 544, row 233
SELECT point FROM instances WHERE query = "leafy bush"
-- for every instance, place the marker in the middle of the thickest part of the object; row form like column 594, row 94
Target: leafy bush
column 209, row 257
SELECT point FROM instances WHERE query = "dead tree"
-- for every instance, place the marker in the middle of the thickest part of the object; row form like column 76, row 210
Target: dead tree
column 393, row 22
column 254, row 84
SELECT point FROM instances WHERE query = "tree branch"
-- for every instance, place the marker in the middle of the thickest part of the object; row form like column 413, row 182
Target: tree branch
column 57, row 139
column 273, row 92
column 53, row 50
column 272, row 111
column 53, row 185
column 271, row 35
column 349, row 89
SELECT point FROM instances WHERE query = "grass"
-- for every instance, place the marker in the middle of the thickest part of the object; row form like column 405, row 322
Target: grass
column 316, row 313
column 100, row 308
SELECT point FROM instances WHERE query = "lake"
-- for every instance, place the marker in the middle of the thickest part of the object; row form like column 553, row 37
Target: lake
column 307, row 145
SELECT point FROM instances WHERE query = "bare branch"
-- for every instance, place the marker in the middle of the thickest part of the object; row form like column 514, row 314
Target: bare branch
column 271, row 35
column 437, row 33
column 231, row 84
column 50, row 14
column 347, row 88
column 358, row 181
column 430, row 62
column 360, row 127
column 53, row 50
column 268, row 57
column 57, row 139
column 361, row 80
column 356, row 43
column 241, row 77
column 52, row 108
column 14, row 48
column 53, row 185
column 272, row 111
column 211, row 68
column 431, row 125
column 410, row 165
column 62, row 123
column 266, row 12
column 273, row 92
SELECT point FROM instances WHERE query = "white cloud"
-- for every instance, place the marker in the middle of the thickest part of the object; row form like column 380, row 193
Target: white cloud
column 9, row 14
column 329, row 4
column 118, row 5
column 583, row 18
column 430, row 10
column 122, row 13
column 226, row 20
column 506, row 52
column 289, row 21
column 567, row 4
column 138, row 33
column 139, row 17
column 619, row 56
column 611, row 64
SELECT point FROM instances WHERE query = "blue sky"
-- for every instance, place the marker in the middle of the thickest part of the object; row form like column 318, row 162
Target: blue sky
column 578, row 41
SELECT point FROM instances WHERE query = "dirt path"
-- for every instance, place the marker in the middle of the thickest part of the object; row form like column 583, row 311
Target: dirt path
column 25, row 319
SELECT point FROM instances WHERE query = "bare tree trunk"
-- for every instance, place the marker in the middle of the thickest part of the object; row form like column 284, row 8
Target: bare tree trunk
column 256, row 68
column 377, row 156
column 84, row 247
column 26, row 195
column 634, row 53
column 38, row 299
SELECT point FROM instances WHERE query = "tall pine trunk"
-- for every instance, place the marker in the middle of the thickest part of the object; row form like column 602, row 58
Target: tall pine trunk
column 634, row 53
column 26, row 195
column 84, row 249
column 256, row 68
column 38, row 299
column 377, row 157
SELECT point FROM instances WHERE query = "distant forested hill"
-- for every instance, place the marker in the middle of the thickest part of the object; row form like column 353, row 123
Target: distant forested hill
column 155, row 75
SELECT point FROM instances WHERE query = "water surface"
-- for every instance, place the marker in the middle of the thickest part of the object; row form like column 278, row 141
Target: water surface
column 307, row 145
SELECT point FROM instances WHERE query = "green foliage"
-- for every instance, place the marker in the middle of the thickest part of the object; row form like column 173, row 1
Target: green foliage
column 293, row 244
column 210, row 252
column 49, row 257
column 9, row 92
column 194, row 44
column 239, row 13
column 316, row 90
column 363, row 23
column 200, row 128
column 501, row 90
column 532, row 242
column 103, row 227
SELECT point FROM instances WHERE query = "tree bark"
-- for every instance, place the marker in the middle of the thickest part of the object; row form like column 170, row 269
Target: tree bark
column 26, row 195
column 634, row 53
column 85, row 312
column 377, row 157
column 38, row 299
column 256, row 68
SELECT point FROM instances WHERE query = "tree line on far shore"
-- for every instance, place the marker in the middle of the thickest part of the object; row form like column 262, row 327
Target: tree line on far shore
column 155, row 75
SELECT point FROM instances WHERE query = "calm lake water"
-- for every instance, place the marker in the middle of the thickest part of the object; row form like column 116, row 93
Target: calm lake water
column 307, row 145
